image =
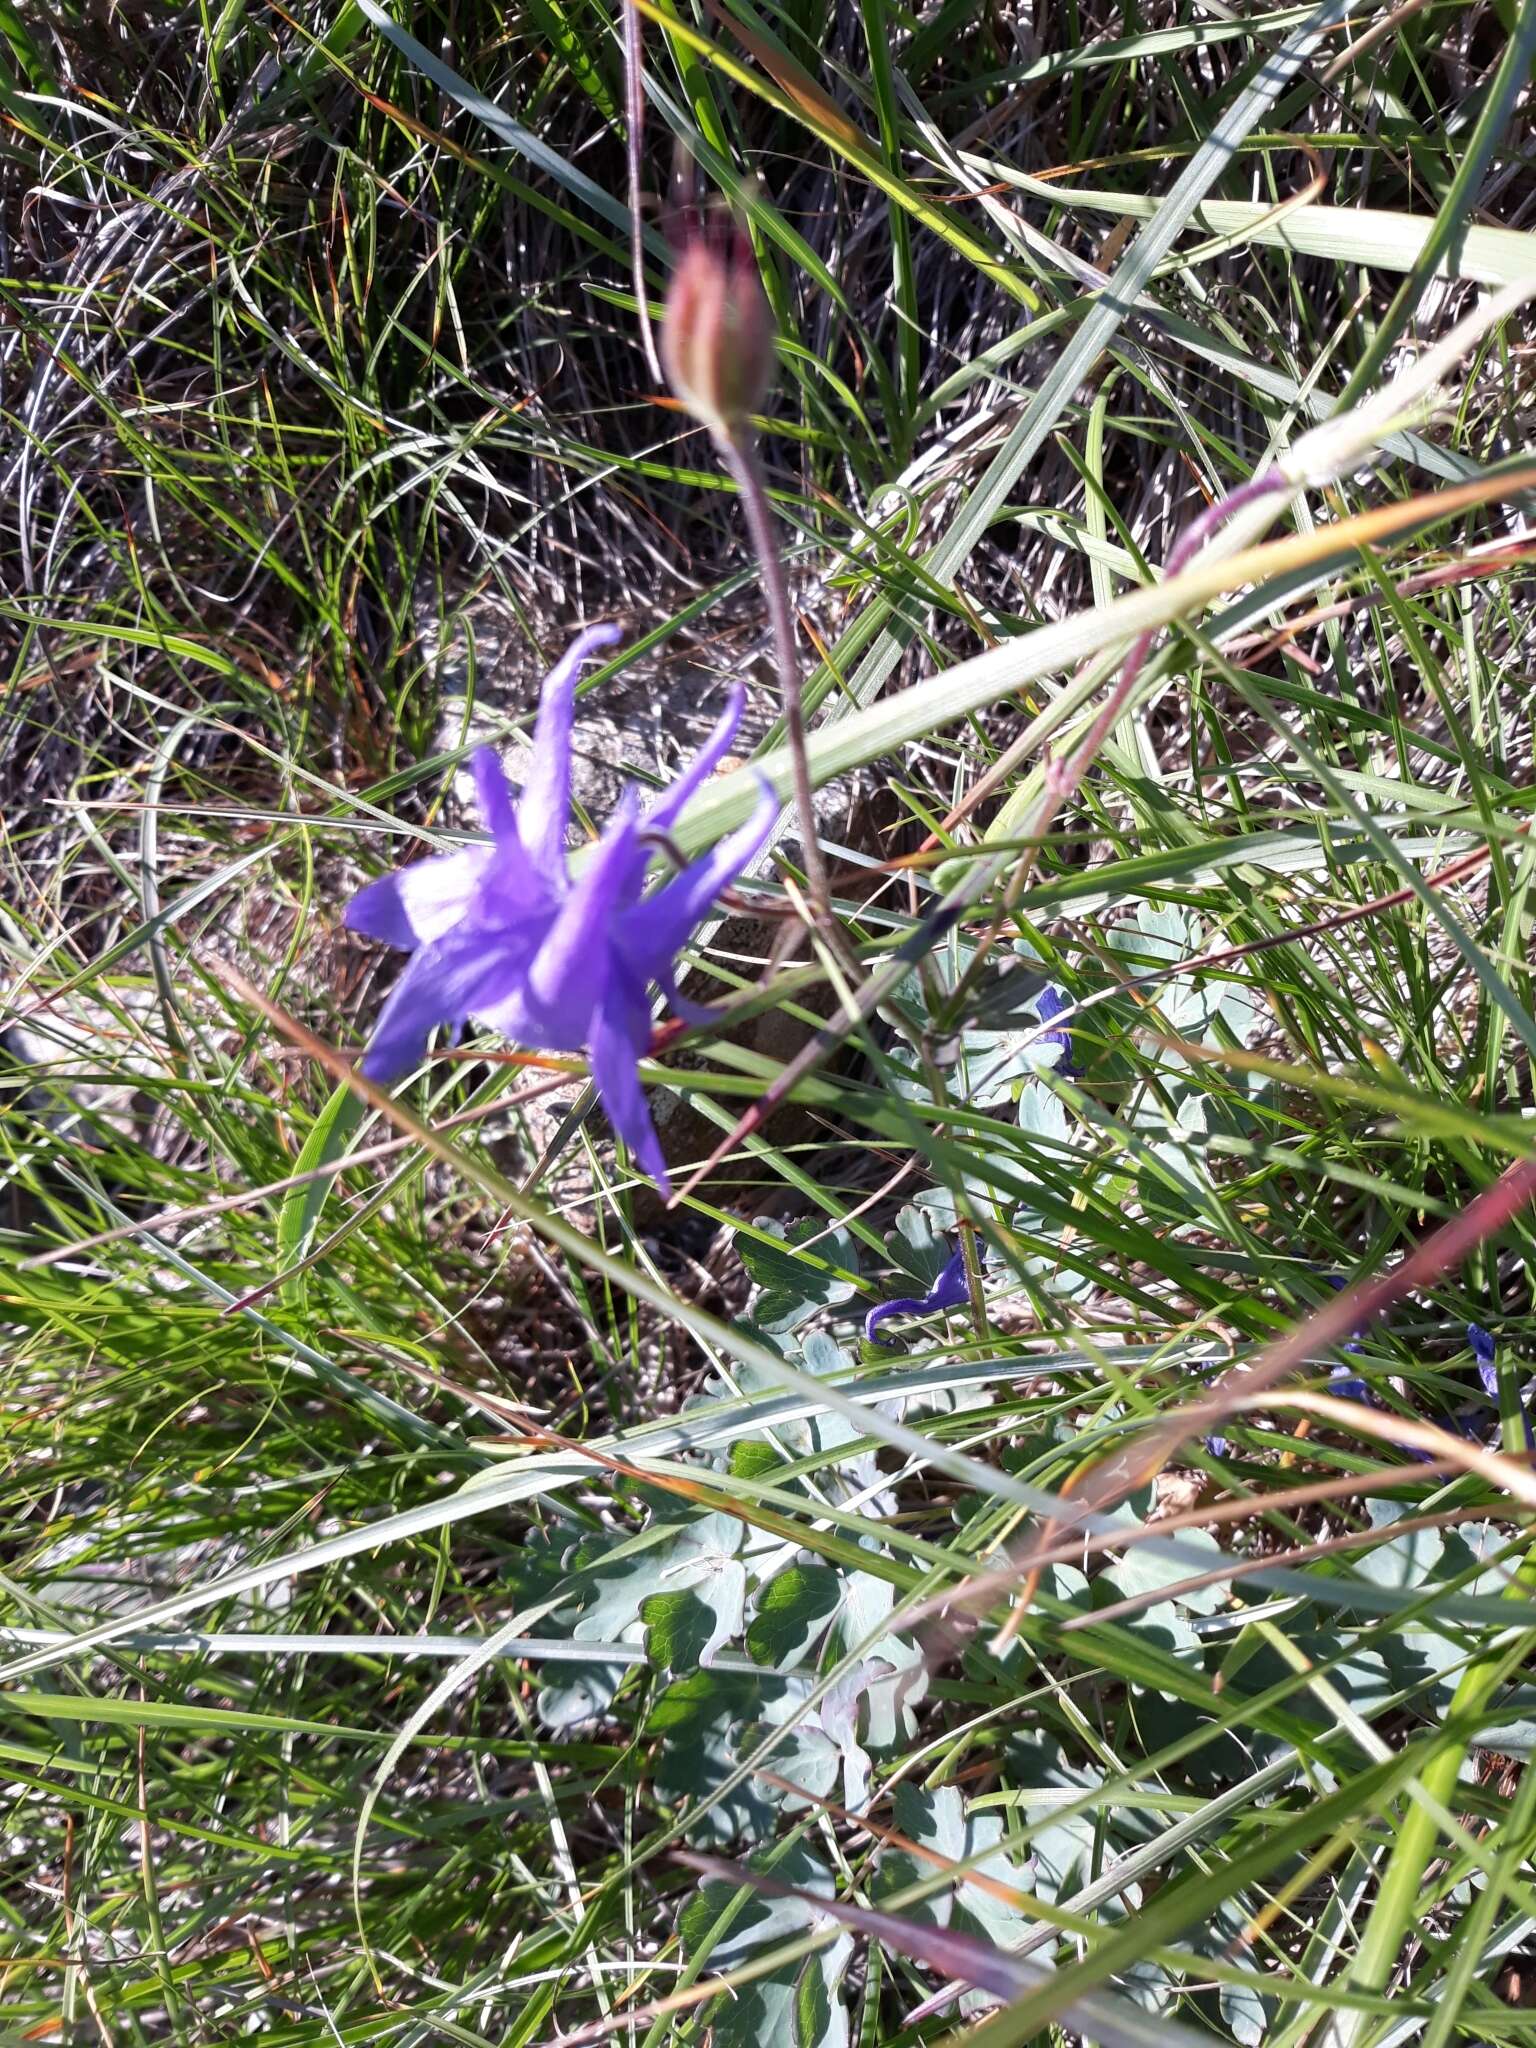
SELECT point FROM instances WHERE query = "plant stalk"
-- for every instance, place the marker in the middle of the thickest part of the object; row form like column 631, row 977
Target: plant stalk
column 634, row 129
column 739, row 450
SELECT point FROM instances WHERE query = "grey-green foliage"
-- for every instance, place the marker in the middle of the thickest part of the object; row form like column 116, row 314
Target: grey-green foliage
column 1178, row 1103
column 819, row 1738
column 940, row 1821
column 998, row 1060
column 689, row 1583
column 800, row 2005
column 678, row 1587
column 797, row 1282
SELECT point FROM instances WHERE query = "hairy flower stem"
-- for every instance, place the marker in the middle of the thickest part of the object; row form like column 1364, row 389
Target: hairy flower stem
column 739, row 450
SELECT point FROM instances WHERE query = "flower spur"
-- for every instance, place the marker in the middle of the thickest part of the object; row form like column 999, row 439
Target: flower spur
column 501, row 932
column 950, row 1290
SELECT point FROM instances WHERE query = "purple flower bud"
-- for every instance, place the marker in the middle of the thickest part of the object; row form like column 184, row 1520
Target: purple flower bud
column 502, row 931
column 717, row 333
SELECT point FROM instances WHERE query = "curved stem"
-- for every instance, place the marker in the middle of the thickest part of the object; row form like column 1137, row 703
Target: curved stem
column 741, row 457
column 1068, row 775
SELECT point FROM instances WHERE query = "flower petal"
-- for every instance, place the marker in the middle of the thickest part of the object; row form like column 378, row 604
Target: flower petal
column 667, row 809
column 419, row 903
column 498, row 813
column 951, row 1290
column 545, row 808
column 651, row 934
column 683, row 1006
column 903, row 1305
column 444, row 982
column 568, row 972
column 1483, row 1355
column 513, row 886
column 621, row 1031
column 1050, row 1005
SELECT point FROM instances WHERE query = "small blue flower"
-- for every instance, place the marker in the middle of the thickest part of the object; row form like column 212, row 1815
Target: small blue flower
column 1484, row 1355
column 501, row 932
column 1051, row 1005
column 1483, row 1358
column 1349, row 1387
column 950, row 1290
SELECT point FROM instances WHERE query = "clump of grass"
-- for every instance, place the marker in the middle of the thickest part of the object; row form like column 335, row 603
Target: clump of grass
column 412, row 1536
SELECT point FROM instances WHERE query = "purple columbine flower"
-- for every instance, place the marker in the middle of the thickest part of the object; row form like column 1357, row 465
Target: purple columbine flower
column 500, row 931
column 1483, row 1358
column 1051, row 1005
column 950, row 1290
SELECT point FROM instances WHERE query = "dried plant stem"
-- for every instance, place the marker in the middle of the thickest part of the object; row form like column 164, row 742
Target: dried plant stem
column 634, row 128
column 1064, row 777
column 739, row 450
